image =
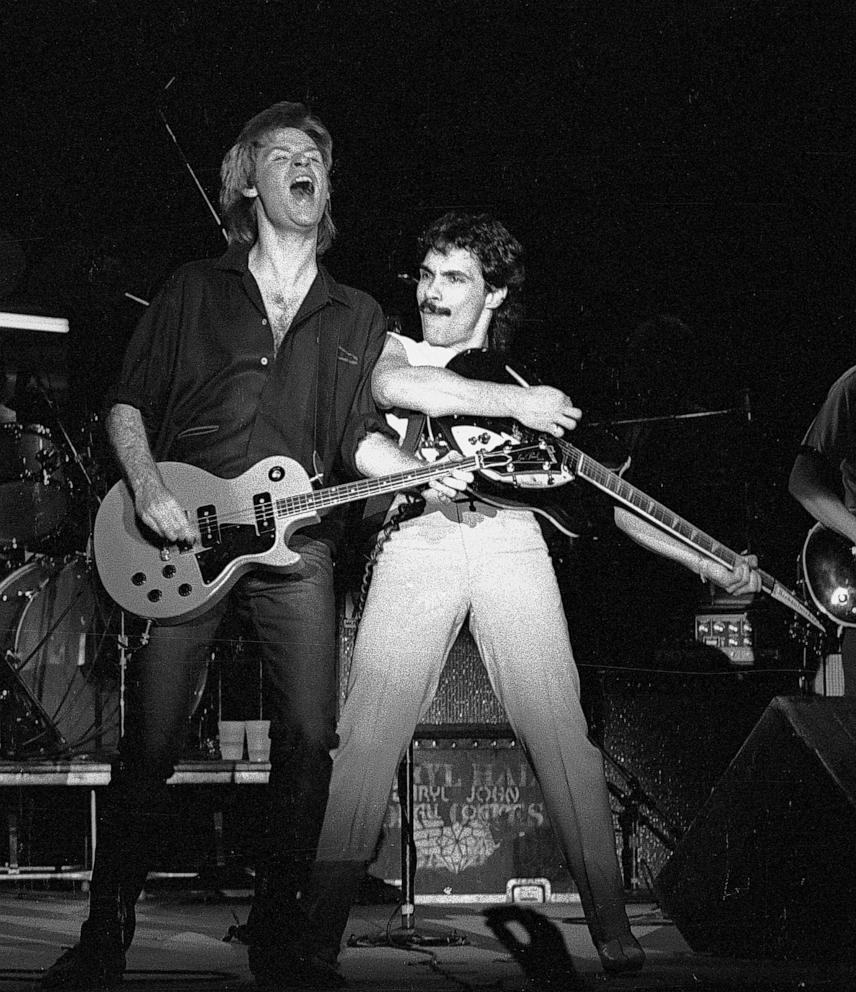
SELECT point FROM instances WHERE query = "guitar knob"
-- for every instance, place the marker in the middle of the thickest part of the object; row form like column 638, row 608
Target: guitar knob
column 154, row 595
column 185, row 589
column 138, row 578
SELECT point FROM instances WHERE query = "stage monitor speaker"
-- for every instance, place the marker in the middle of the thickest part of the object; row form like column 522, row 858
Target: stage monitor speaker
column 767, row 869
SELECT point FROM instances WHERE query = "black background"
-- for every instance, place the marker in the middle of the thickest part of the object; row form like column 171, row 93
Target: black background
column 694, row 159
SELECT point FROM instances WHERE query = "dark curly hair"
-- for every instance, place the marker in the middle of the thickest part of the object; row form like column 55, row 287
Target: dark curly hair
column 239, row 167
column 500, row 256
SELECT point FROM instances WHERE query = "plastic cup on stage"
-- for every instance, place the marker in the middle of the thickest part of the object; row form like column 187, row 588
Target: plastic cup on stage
column 231, row 739
column 258, row 740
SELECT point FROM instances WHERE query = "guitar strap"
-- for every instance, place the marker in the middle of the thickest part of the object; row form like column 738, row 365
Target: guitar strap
column 377, row 507
column 415, row 426
column 326, row 370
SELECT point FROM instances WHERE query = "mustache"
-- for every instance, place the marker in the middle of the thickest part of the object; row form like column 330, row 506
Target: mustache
column 429, row 307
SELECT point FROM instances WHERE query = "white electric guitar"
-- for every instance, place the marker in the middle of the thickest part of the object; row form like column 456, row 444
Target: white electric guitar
column 245, row 523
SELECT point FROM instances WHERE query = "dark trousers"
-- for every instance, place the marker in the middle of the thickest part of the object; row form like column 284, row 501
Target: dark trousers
column 848, row 661
column 292, row 618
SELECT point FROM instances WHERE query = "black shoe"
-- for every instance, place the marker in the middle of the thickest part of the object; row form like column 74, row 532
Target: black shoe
column 620, row 955
column 374, row 891
column 281, row 969
column 91, row 965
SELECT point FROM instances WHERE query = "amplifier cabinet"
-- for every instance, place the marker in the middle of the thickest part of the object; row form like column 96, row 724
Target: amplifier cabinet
column 464, row 704
column 479, row 822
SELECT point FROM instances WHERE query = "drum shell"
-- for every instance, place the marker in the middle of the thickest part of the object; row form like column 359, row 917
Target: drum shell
column 53, row 630
column 33, row 491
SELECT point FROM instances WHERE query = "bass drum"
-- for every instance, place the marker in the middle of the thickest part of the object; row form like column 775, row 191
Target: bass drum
column 58, row 631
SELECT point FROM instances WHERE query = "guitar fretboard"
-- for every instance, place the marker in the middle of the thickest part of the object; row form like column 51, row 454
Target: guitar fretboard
column 350, row 492
column 612, row 484
column 661, row 516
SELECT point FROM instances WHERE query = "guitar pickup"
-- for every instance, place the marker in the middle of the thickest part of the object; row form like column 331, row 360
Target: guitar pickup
column 209, row 528
column 264, row 512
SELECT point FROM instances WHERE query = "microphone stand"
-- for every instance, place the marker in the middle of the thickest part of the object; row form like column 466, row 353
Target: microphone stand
column 408, row 937
column 188, row 166
column 633, row 800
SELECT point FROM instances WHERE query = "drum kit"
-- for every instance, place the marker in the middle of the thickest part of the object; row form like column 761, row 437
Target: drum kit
column 64, row 643
column 63, row 640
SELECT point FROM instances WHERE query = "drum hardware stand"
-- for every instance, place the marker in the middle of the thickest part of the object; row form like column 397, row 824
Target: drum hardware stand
column 633, row 799
column 78, row 461
column 125, row 654
column 814, row 651
column 13, row 689
column 815, row 648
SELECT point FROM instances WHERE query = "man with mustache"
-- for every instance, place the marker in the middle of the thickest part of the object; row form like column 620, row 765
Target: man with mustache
column 463, row 560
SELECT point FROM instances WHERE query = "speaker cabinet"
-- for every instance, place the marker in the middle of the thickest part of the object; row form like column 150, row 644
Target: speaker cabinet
column 464, row 705
column 670, row 736
column 479, row 823
column 768, row 866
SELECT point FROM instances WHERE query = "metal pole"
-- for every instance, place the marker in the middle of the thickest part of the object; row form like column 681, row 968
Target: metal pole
column 408, row 841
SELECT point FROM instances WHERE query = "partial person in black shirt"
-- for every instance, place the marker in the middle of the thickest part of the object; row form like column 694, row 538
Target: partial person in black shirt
column 258, row 353
column 823, row 481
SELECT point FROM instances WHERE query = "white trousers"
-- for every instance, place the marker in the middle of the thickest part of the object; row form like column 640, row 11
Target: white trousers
column 451, row 562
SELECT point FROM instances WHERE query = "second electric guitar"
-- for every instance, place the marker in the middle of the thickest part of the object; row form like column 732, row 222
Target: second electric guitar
column 829, row 569
column 552, row 462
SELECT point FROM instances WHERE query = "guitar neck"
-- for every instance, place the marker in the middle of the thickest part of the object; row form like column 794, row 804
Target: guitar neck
column 661, row 516
column 351, row 492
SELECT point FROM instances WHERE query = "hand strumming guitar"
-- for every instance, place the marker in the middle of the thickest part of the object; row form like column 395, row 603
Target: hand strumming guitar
column 161, row 512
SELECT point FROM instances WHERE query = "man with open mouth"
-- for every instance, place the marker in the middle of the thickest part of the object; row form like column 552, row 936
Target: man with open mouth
column 259, row 356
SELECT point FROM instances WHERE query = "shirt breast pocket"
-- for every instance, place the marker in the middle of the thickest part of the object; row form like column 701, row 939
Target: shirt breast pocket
column 192, row 440
column 200, row 431
column 345, row 357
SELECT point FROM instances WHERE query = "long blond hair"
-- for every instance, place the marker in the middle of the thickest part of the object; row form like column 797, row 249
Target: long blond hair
column 239, row 167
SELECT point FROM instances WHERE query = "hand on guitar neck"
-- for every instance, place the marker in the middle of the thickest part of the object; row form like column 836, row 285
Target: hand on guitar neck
column 743, row 580
column 739, row 578
column 554, row 462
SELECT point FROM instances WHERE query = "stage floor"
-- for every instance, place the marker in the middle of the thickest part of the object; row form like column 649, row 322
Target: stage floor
column 179, row 947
